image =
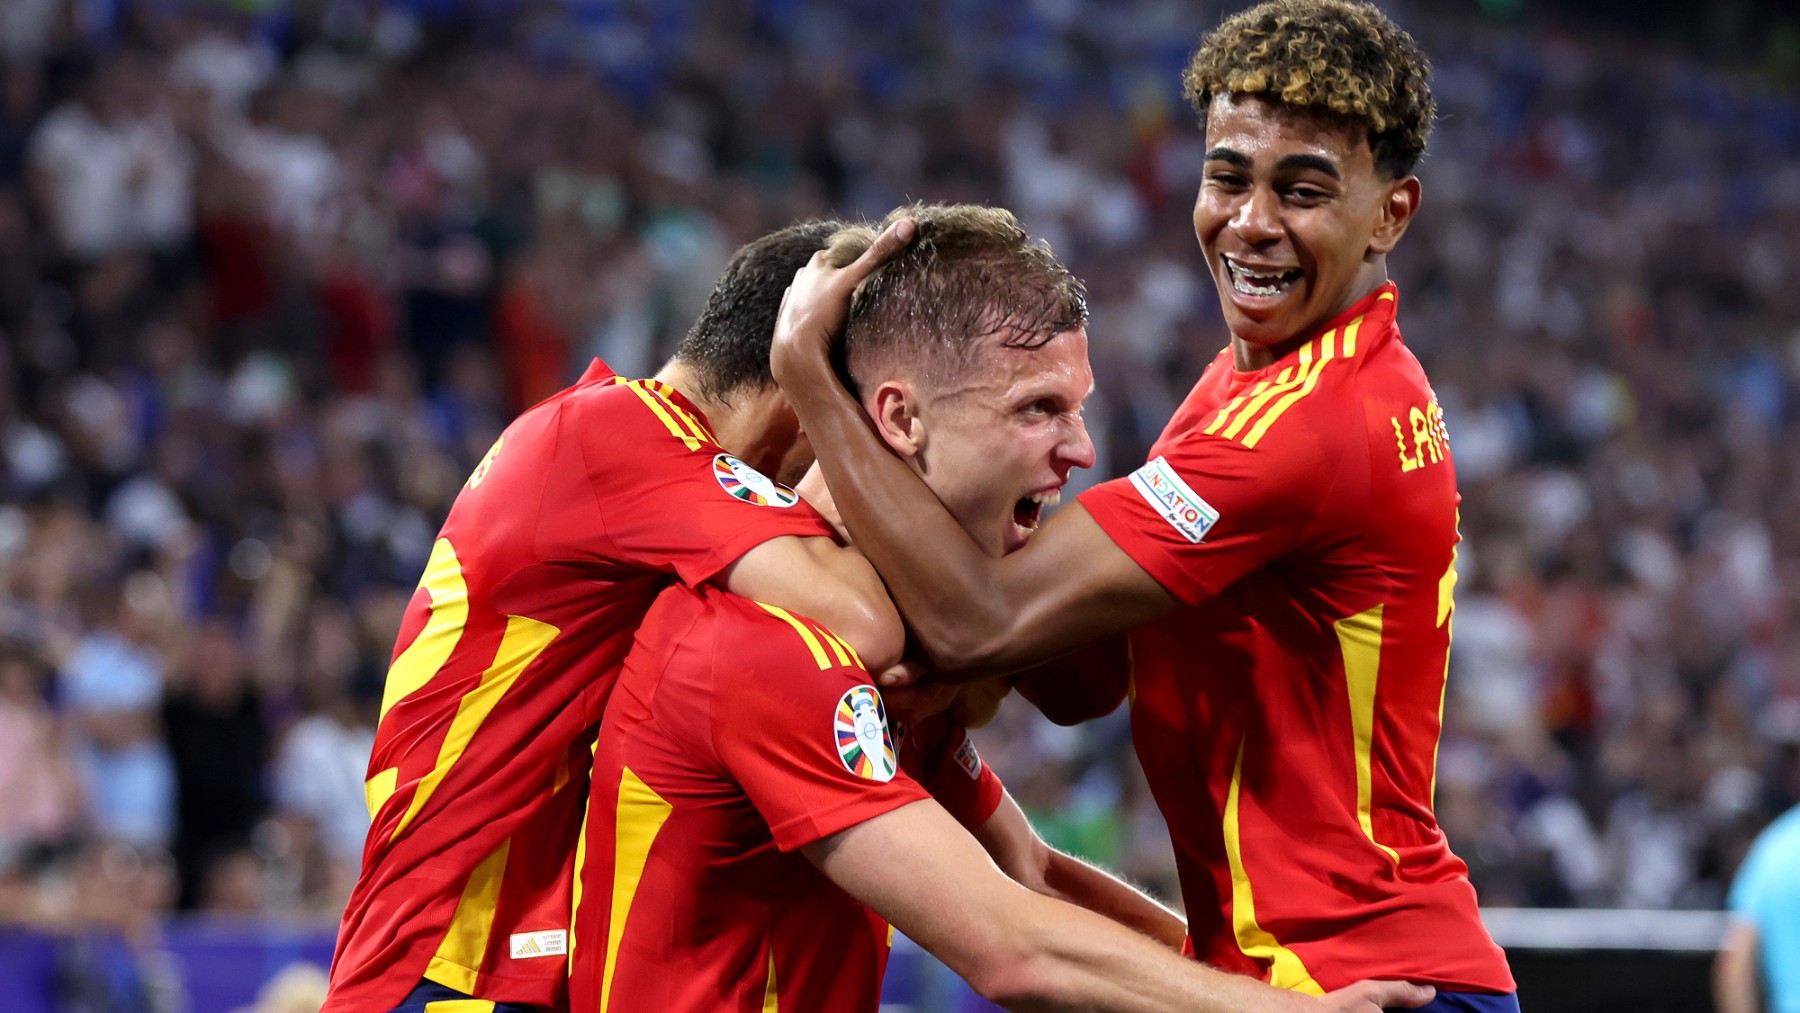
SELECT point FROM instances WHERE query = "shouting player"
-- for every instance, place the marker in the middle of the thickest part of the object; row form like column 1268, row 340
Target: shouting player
column 1285, row 561
column 749, row 795
column 587, row 506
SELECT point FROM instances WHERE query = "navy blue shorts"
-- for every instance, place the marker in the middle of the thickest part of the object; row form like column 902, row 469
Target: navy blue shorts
column 1470, row 1002
column 431, row 997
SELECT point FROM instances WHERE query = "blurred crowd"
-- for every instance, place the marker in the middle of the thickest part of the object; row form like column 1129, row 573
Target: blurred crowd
column 273, row 276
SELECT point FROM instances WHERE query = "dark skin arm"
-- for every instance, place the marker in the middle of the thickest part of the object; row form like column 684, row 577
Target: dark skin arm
column 1088, row 684
column 970, row 613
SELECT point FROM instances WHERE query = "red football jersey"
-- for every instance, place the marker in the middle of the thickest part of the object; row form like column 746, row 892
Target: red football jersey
column 587, row 506
column 739, row 733
column 1288, row 718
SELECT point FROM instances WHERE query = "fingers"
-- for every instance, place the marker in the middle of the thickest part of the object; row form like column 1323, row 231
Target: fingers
column 920, row 700
column 1391, row 994
column 905, row 673
column 892, row 240
column 978, row 702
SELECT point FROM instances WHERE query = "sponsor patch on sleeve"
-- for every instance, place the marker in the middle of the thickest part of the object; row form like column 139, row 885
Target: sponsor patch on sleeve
column 752, row 486
column 968, row 759
column 1181, row 506
column 864, row 743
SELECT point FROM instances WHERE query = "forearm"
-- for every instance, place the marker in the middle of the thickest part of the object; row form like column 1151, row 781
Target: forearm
column 1081, row 961
column 1087, row 684
column 1069, row 878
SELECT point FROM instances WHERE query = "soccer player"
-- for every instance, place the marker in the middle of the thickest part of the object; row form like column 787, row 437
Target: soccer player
column 586, row 507
column 750, row 796
column 1284, row 563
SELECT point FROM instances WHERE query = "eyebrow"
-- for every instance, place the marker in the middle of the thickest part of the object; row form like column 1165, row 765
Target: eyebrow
column 1287, row 162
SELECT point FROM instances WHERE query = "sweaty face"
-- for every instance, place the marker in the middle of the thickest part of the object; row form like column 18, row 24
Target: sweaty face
column 1001, row 441
column 1287, row 216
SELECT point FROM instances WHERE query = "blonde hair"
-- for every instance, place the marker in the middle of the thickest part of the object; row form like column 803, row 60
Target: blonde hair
column 970, row 272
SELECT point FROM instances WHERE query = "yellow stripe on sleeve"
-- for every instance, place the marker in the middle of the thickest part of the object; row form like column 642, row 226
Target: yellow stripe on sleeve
column 812, row 642
column 642, row 813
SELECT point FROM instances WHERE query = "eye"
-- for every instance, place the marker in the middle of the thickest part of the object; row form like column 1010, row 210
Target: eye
column 1307, row 194
column 1226, row 179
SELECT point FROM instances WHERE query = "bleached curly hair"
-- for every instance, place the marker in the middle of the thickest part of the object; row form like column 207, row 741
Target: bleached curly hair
column 1337, row 59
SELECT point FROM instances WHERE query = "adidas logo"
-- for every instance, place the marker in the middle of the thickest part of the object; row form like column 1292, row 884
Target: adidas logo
column 550, row 943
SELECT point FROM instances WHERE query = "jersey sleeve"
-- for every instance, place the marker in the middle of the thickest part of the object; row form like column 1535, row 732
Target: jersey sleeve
column 677, row 501
column 802, row 729
column 952, row 770
column 1208, row 509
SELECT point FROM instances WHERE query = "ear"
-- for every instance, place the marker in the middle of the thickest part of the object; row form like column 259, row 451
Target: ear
column 894, row 407
column 1396, row 213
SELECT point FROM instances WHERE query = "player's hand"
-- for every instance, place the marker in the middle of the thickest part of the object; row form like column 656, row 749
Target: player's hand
column 978, row 702
column 904, row 672
column 1375, row 996
column 817, row 303
column 920, row 700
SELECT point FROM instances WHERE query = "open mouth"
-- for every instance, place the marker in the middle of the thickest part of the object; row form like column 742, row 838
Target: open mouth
column 1029, row 510
column 1261, row 282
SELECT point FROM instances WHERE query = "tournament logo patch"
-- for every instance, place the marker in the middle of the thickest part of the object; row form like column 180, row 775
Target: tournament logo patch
column 863, row 741
column 750, row 485
column 968, row 758
column 1181, row 506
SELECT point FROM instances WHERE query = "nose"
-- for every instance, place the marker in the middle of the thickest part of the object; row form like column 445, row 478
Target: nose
column 1257, row 218
column 1076, row 449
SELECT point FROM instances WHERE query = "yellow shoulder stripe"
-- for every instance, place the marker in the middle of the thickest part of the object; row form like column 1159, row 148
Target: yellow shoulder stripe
column 828, row 649
column 1252, row 414
column 680, row 423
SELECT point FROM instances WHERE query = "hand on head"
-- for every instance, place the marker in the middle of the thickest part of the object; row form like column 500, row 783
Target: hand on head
column 817, row 304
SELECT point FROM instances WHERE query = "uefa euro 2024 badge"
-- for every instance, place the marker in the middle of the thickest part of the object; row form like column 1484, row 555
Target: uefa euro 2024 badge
column 752, row 486
column 863, row 741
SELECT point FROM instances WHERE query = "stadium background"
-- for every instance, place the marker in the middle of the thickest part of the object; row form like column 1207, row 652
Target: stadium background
column 272, row 275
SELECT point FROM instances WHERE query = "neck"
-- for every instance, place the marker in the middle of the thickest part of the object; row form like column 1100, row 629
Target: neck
column 1248, row 355
column 744, row 429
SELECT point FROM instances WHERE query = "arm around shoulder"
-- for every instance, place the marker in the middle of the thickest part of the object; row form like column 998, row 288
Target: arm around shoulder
column 1069, row 587
column 820, row 579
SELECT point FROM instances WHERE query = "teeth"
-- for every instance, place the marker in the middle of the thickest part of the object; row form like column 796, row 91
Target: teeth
column 1242, row 279
column 1046, row 499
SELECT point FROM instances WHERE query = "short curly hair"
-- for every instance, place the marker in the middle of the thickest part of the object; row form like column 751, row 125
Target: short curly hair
column 1336, row 59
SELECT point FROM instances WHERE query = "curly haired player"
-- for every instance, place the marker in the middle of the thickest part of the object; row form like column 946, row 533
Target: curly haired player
column 1284, row 563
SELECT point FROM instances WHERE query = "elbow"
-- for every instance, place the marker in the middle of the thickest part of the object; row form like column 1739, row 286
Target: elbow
column 963, row 645
column 1028, row 981
column 1018, row 981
